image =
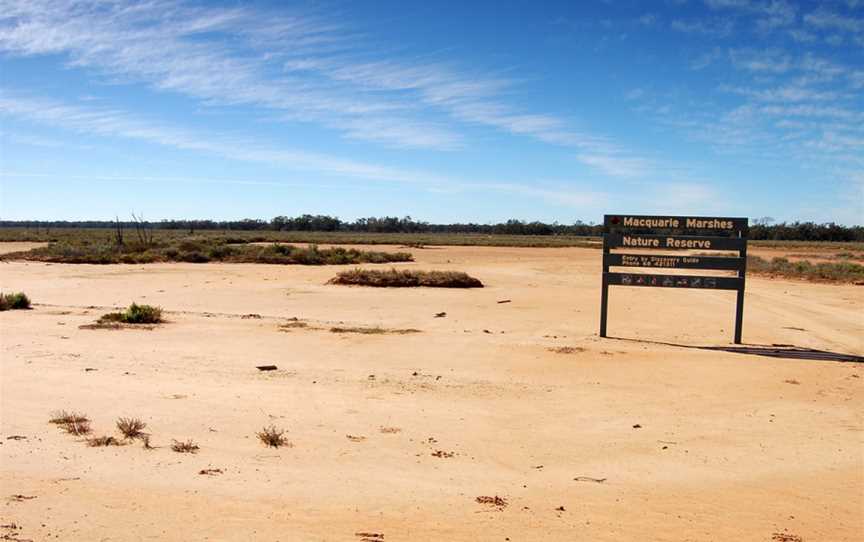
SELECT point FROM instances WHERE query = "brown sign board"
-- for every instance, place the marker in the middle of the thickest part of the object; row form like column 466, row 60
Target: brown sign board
column 687, row 234
column 665, row 261
column 675, row 242
column 693, row 223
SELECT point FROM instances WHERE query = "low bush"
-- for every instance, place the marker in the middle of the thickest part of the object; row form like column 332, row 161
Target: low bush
column 73, row 423
column 16, row 301
column 131, row 428
column 406, row 279
column 103, row 441
column 187, row 447
column 135, row 314
column 272, row 437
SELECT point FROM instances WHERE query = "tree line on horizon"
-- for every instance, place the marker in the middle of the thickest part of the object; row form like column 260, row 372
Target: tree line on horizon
column 760, row 229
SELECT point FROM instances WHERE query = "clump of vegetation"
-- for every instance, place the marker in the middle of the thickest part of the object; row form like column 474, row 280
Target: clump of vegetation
column 499, row 502
column 187, row 447
column 16, row 301
column 131, row 428
column 103, row 441
column 135, row 314
column 73, row 423
column 61, row 417
column 272, row 437
column 294, row 323
column 406, row 278
column 803, row 269
column 202, row 249
column 566, row 349
column 377, row 330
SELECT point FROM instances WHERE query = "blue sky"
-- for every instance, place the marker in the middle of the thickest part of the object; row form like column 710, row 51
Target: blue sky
column 445, row 111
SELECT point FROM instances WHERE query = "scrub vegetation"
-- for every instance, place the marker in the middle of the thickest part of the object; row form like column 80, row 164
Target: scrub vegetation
column 406, row 278
column 16, row 301
column 113, row 250
column 802, row 269
column 135, row 314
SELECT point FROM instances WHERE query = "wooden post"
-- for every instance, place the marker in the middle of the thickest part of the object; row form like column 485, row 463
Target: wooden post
column 604, row 295
column 739, row 305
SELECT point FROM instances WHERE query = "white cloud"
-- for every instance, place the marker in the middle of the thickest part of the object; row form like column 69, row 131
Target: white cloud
column 772, row 61
column 769, row 14
column 292, row 68
column 103, row 122
column 719, row 28
column 824, row 19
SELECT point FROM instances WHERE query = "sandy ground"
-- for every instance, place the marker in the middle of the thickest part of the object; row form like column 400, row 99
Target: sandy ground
column 691, row 444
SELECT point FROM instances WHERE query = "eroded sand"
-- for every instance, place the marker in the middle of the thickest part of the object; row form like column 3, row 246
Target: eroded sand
column 730, row 446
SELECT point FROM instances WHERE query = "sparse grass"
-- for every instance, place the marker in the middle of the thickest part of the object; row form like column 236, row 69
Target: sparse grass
column 803, row 269
column 272, row 437
column 187, row 447
column 73, row 423
column 131, row 428
column 16, row 301
column 293, row 323
column 61, row 417
column 103, row 441
column 77, row 428
column 377, row 330
column 497, row 501
column 566, row 349
column 135, row 314
column 406, row 279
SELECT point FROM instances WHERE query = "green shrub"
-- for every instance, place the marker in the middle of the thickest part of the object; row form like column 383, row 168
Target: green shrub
column 16, row 301
column 135, row 314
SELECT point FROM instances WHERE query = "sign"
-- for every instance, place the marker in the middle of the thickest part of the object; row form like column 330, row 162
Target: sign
column 693, row 234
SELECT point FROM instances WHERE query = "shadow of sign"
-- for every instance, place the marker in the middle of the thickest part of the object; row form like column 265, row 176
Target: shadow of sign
column 789, row 352
column 786, row 351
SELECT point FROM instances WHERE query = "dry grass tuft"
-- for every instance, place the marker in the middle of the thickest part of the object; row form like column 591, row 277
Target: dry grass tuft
column 406, row 279
column 566, row 349
column 73, row 423
column 293, row 323
column 377, row 330
column 390, row 430
column 500, row 502
column 188, row 447
column 77, row 428
column 103, row 441
column 61, row 417
column 131, row 428
column 273, row 438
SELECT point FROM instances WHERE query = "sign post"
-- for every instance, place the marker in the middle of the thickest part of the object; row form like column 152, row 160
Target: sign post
column 675, row 233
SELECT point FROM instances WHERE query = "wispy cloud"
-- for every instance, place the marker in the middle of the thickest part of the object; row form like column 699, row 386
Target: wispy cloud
column 103, row 122
column 293, row 68
column 716, row 28
column 768, row 14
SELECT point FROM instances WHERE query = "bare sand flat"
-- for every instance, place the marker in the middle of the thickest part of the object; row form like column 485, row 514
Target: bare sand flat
column 638, row 438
